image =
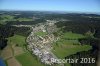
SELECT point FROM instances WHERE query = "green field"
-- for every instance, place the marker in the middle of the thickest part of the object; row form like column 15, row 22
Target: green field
column 68, row 44
column 5, row 18
column 18, row 39
column 70, row 35
column 40, row 33
column 27, row 59
column 64, row 50
column 24, row 19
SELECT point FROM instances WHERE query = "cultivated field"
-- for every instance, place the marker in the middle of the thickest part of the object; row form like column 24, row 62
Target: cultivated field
column 15, row 47
column 68, row 45
column 26, row 59
column 7, row 52
column 13, row 62
column 15, row 53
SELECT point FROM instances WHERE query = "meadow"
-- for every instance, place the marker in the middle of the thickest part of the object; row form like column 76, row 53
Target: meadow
column 68, row 44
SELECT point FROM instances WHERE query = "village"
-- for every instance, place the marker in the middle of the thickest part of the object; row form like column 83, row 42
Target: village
column 41, row 45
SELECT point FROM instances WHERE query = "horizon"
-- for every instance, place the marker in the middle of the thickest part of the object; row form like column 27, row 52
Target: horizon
column 79, row 6
column 98, row 13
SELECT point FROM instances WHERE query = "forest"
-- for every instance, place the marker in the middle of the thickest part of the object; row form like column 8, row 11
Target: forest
column 9, row 31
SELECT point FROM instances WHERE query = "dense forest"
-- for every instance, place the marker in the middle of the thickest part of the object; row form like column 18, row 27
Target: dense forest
column 5, row 32
column 8, row 31
column 26, row 22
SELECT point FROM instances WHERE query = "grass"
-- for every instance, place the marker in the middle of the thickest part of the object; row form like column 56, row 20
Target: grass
column 27, row 59
column 24, row 19
column 70, row 35
column 17, row 39
column 5, row 18
column 40, row 33
column 69, row 44
column 63, row 51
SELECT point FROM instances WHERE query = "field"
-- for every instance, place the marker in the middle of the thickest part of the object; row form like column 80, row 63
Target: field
column 27, row 59
column 13, row 62
column 15, row 47
column 7, row 52
column 17, row 39
column 15, row 53
column 5, row 18
column 70, row 35
column 66, row 50
column 40, row 33
column 68, row 45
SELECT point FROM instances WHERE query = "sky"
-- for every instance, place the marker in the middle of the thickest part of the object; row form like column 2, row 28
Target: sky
column 52, row 5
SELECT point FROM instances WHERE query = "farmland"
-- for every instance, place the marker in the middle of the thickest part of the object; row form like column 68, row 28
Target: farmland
column 16, row 53
column 68, row 44
column 27, row 59
column 70, row 35
column 4, row 18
